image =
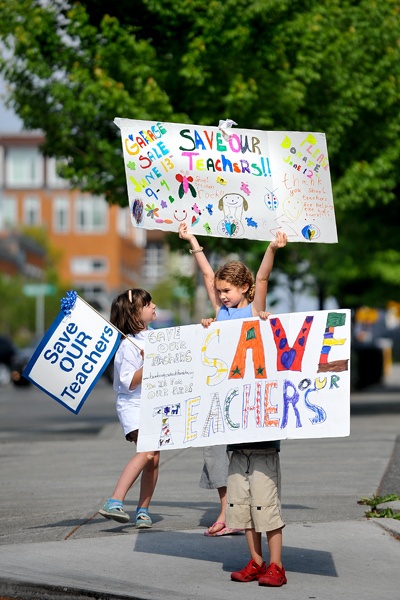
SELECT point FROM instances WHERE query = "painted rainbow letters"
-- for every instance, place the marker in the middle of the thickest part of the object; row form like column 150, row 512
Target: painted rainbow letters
column 247, row 380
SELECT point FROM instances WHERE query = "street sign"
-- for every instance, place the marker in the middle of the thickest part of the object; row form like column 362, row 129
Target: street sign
column 39, row 289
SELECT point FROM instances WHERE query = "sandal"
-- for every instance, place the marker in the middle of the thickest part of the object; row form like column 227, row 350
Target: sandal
column 275, row 576
column 223, row 531
column 114, row 509
column 143, row 521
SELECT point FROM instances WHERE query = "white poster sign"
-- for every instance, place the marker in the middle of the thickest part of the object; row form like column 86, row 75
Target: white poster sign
column 73, row 354
column 228, row 182
column 247, row 380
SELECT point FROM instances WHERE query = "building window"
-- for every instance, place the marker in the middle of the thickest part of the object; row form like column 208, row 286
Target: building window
column 154, row 263
column 53, row 180
column 61, row 214
column 32, row 214
column 139, row 237
column 95, row 293
column 127, row 230
column 124, row 226
column 91, row 214
column 91, row 290
column 24, row 168
column 88, row 265
column 8, row 212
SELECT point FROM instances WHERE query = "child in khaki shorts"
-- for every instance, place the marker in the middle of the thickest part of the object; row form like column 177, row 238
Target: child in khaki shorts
column 253, row 504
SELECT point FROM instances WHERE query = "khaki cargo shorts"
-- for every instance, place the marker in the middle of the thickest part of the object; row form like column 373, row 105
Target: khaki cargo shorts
column 253, row 496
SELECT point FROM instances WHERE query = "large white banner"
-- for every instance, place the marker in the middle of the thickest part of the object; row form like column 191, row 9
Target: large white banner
column 73, row 353
column 228, row 182
column 247, row 380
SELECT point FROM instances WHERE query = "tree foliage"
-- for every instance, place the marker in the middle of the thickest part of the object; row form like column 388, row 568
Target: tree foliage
column 268, row 64
column 18, row 312
column 70, row 79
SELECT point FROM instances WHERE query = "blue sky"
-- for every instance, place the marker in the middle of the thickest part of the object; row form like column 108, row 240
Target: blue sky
column 9, row 122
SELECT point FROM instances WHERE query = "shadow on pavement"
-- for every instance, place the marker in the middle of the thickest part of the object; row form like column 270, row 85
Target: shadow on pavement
column 230, row 550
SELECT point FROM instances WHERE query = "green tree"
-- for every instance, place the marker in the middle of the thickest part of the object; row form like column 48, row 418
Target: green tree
column 268, row 64
column 16, row 310
column 70, row 79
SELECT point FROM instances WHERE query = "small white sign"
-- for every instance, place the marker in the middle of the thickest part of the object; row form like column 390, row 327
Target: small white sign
column 73, row 354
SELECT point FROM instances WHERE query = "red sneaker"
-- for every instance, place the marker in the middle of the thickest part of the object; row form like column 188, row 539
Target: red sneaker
column 274, row 576
column 251, row 571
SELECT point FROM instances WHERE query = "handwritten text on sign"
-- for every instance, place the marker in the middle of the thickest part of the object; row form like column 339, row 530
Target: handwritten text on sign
column 247, row 184
column 247, row 380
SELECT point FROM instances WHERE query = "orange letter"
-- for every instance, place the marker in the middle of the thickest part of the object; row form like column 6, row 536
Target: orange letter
column 250, row 338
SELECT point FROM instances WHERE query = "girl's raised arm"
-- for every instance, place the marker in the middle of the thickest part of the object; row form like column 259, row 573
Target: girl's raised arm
column 203, row 264
column 264, row 272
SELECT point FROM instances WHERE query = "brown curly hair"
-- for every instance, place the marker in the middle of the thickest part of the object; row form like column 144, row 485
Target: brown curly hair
column 237, row 274
column 125, row 310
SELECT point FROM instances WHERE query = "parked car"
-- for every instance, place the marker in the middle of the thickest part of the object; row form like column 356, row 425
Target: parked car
column 18, row 364
column 367, row 365
column 7, row 351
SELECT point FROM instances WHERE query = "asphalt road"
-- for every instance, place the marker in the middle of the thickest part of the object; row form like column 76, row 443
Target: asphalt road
column 50, row 459
column 57, row 469
column 27, row 413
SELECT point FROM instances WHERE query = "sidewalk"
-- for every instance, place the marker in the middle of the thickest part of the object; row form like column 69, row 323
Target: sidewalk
column 55, row 545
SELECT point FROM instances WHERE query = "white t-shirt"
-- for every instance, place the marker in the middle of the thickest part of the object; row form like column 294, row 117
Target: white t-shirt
column 127, row 361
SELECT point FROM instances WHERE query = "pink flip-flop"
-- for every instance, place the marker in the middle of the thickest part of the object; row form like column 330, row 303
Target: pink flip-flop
column 224, row 531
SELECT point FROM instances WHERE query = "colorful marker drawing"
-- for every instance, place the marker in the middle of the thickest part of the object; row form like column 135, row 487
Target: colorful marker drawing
column 247, row 380
column 271, row 201
column 274, row 176
column 232, row 206
column 185, row 185
column 310, row 232
column 137, row 210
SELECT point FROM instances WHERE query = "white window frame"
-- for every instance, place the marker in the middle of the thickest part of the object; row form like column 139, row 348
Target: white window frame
column 8, row 212
column 123, row 221
column 53, row 180
column 61, row 208
column 32, row 211
column 81, row 266
column 88, row 210
column 24, row 168
column 154, row 267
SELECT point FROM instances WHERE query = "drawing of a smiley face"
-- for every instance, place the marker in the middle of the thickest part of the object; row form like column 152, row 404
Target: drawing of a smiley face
column 292, row 208
column 180, row 216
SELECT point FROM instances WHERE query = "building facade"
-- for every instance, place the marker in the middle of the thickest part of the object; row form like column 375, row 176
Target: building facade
column 100, row 252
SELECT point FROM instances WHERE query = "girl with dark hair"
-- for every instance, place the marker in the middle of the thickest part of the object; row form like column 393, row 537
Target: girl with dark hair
column 132, row 312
